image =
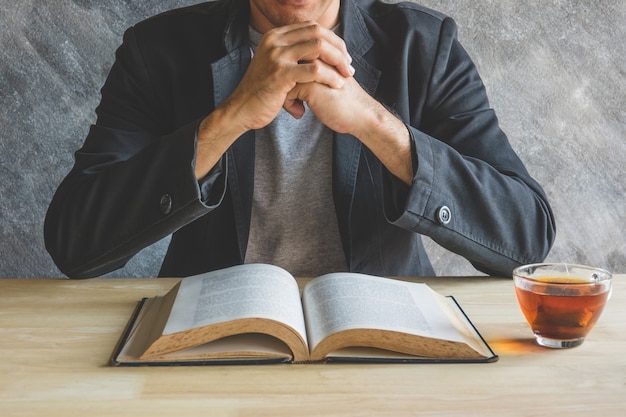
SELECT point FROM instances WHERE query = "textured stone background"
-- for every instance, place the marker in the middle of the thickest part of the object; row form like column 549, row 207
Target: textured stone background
column 555, row 72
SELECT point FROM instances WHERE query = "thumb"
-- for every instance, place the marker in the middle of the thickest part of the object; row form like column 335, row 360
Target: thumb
column 294, row 107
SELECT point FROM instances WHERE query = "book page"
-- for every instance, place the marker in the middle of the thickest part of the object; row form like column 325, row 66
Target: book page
column 241, row 346
column 344, row 301
column 243, row 291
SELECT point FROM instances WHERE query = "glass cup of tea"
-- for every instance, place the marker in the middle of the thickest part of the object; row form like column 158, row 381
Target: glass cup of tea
column 561, row 302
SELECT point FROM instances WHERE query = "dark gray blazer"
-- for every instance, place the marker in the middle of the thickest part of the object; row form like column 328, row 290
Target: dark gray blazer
column 133, row 182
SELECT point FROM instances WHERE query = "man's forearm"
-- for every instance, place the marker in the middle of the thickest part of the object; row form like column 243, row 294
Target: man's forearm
column 216, row 133
column 388, row 138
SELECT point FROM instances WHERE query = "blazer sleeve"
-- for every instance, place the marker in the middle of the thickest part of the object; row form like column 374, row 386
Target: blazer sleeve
column 471, row 193
column 132, row 184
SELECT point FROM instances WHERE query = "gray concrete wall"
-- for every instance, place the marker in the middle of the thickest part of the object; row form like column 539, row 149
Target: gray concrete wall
column 555, row 72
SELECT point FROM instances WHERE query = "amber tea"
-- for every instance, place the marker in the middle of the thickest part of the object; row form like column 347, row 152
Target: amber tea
column 561, row 316
column 561, row 309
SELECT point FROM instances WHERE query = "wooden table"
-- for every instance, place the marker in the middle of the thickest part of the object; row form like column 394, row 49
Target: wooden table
column 56, row 337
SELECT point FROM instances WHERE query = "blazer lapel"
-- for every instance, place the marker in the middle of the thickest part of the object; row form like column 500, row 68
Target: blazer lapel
column 227, row 73
column 346, row 148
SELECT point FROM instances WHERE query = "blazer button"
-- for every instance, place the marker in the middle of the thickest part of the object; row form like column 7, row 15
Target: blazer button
column 166, row 204
column 444, row 215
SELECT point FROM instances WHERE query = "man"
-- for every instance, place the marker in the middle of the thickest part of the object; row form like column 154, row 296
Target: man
column 318, row 135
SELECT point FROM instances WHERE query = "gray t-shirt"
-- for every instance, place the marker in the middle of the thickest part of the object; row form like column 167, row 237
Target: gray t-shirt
column 293, row 222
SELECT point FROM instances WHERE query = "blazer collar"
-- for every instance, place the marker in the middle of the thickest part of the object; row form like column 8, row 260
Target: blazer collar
column 358, row 41
column 237, row 22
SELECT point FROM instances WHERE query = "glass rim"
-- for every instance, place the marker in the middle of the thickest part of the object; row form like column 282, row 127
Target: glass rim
column 604, row 275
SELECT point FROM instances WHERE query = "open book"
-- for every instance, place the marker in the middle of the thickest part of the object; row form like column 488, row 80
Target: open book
column 256, row 313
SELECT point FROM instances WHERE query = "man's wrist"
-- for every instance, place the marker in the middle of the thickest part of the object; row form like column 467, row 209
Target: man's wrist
column 216, row 133
column 389, row 139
